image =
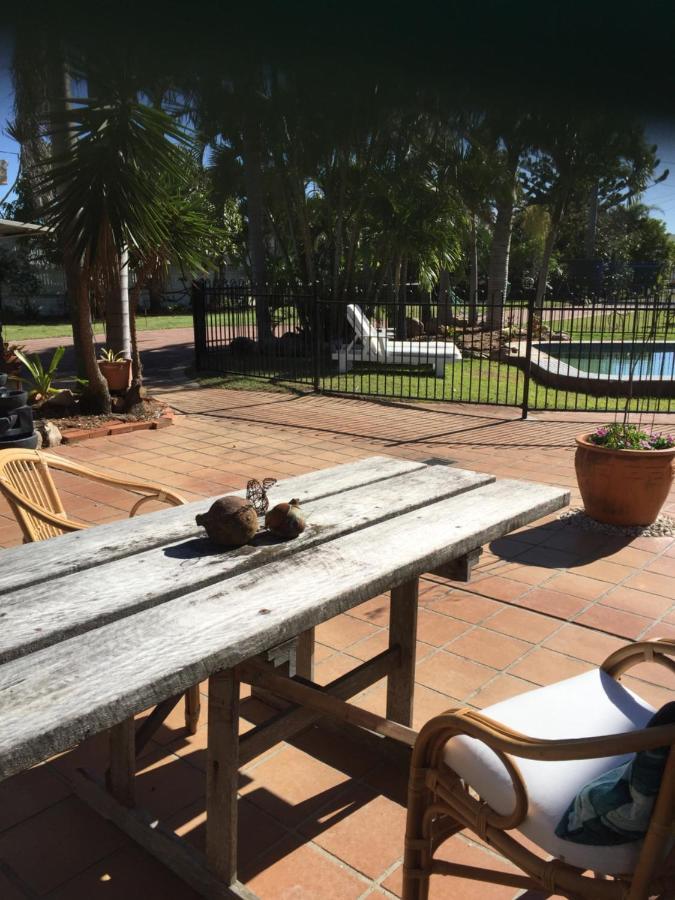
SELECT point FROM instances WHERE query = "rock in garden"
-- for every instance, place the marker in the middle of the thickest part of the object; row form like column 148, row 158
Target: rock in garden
column 49, row 433
column 230, row 522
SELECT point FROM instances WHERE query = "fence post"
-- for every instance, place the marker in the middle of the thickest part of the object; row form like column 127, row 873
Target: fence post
column 528, row 354
column 316, row 339
column 199, row 321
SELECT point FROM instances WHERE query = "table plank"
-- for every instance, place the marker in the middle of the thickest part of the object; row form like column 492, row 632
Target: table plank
column 32, row 563
column 55, row 697
column 44, row 613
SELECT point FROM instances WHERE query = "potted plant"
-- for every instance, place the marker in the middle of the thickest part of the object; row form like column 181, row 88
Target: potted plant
column 624, row 473
column 116, row 369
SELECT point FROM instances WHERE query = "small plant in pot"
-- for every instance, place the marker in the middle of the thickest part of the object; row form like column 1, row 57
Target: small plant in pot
column 116, row 369
column 624, row 473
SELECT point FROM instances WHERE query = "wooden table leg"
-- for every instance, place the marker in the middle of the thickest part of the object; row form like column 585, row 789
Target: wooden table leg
column 222, row 775
column 192, row 708
column 304, row 655
column 403, row 633
column 120, row 775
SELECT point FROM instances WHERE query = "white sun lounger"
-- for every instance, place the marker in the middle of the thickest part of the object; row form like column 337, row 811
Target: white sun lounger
column 375, row 346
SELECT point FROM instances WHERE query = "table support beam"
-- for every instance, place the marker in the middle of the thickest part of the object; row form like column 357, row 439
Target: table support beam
column 290, row 722
column 222, row 775
column 460, row 569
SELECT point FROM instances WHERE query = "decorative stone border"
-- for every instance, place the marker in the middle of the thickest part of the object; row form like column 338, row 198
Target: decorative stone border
column 77, row 435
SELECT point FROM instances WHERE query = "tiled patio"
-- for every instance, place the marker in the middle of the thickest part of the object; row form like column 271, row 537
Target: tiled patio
column 321, row 818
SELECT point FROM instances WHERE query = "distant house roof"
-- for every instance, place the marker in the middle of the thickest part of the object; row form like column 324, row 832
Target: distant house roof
column 8, row 228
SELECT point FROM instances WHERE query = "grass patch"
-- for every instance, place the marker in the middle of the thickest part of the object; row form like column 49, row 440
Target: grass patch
column 15, row 334
column 468, row 381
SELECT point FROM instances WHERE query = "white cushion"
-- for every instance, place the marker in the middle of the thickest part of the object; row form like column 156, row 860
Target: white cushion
column 588, row 705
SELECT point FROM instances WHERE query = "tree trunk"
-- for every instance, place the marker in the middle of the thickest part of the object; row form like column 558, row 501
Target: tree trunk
column 500, row 249
column 155, row 286
column 400, row 296
column 256, row 228
column 96, row 396
column 552, row 234
column 118, row 335
column 473, row 275
column 444, row 313
column 591, row 222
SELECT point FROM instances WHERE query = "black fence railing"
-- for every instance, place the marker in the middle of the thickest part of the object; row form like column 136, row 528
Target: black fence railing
column 589, row 354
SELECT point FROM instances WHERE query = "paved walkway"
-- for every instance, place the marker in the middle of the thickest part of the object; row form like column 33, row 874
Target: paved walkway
column 321, row 819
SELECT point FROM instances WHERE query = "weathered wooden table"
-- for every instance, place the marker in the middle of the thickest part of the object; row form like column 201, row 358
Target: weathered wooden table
column 98, row 625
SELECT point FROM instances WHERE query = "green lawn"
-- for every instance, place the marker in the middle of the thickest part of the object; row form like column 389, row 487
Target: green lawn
column 15, row 334
column 469, row 381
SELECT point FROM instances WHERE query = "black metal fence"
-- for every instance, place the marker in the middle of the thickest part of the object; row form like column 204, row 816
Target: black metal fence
column 594, row 354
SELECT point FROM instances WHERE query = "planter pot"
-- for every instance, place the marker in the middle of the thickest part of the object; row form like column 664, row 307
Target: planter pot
column 623, row 487
column 117, row 374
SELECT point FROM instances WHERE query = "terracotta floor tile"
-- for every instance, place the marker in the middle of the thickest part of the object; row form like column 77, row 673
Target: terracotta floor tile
column 631, row 556
column 292, row 785
column 256, row 831
column 366, row 832
column 655, row 694
column 614, row 621
column 379, row 642
column 663, row 565
column 29, row 793
column 578, row 586
column 653, row 583
column 545, row 667
column 488, row 647
column 130, row 872
column 166, row 783
column 342, row 631
column 522, row 623
column 503, row 687
column 603, row 571
column 452, row 675
column 460, row 605
column 652, row 606
column 375, row 611
column 445, row 887
column 584, row 643
column 499, row 588
column 552, row 603
column 436, row 629
column 58, row 843
column 533, row 575
column 304, row 873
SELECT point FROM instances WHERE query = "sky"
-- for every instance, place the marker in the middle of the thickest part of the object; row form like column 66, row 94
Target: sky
column 661, row 196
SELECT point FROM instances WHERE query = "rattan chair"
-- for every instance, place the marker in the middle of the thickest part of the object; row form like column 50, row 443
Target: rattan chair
column 27, row 485
column 481, row 772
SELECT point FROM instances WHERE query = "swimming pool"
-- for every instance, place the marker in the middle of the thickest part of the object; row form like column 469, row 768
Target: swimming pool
column 597, row 367
column 618, row 360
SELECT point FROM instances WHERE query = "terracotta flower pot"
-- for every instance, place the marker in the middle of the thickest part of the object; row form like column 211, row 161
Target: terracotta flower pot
column 623, row 487
column 117, row 374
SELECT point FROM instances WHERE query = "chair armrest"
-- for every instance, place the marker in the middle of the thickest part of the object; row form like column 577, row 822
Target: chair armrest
column 656, row 651
column 64, row 523
column 504, row 740
column 149, row 489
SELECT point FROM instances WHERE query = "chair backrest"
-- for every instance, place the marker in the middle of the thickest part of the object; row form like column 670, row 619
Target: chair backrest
column 363, row 329
column 25, row 475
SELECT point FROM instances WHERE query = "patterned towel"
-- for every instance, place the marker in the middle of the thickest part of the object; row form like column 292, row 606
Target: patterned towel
column 615, row 808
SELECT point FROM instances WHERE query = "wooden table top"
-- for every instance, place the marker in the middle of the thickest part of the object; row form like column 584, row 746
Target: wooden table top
column 100, row 624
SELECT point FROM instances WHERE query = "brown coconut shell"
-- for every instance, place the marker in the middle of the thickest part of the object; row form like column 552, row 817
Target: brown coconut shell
column 286, row 519
column 230, row 522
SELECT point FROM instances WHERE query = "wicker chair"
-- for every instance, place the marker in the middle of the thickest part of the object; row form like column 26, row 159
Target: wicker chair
column 27, row 484
column 464, row 774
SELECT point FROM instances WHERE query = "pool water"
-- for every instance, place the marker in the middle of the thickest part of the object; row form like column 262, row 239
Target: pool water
column 655, row 362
